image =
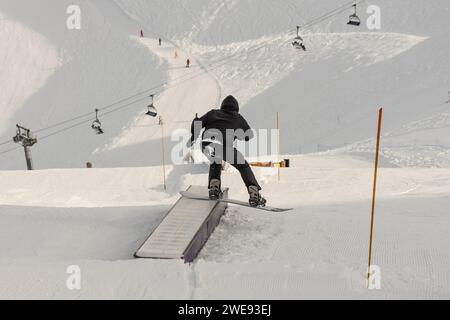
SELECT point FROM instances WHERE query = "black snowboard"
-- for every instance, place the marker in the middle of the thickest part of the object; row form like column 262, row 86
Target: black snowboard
column 236, row 202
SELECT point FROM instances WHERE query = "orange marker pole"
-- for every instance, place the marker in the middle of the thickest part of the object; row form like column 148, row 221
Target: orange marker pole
column 380, row 119
column 278, row 144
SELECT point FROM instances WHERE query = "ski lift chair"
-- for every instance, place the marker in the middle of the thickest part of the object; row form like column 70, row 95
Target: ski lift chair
column 298, row 41
column 97, row 125
column 298, row 44
column 354, row 20
column 152, row 112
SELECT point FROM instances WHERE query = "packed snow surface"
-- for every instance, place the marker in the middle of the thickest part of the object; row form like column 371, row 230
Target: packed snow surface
column 97, row 219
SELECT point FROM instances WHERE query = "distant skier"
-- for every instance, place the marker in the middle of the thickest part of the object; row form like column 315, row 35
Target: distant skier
column 160, row 42
column 222, row 128
column 188, row 63
column 142, row 33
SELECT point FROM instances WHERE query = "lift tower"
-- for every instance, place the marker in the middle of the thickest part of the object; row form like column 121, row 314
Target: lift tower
column 27, row 140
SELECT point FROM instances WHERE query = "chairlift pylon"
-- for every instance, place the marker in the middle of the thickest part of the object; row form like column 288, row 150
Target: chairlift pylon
column 97, row 125
column 152, row 112
column 298, row 41
column 354, row 20
column 24, row 137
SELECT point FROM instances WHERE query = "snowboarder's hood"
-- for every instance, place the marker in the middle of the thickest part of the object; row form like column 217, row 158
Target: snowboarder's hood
column 230, row 104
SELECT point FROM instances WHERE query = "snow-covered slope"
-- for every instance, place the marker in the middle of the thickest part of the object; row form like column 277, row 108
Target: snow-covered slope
column 100, row 66
column 176, row 105
column 319, row 250
column 326, row 96
column 28, row 60
column 53, row 78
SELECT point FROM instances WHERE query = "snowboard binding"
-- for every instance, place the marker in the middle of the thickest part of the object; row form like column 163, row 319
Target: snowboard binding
column 215, row 192
column 256, row 200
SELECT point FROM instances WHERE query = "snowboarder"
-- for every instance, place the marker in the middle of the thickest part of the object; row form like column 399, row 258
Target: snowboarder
column 160, row 42
column 188, row 63
column 142, row 33
column 222, row 128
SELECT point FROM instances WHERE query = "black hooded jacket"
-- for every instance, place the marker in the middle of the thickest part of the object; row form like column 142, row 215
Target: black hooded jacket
column 227, row 117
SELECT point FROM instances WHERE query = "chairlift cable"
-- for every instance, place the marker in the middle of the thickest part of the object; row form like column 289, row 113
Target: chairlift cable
column 329, row 14
column 166, row 84
column 260, row 45
column 87, row 121
column 10, row 150
column 6, row 142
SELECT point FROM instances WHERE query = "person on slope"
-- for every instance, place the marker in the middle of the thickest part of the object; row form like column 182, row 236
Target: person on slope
column 221, row 129
column 188, row 63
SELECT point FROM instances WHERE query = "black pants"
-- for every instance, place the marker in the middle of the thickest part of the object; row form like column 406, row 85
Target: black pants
column 216, row 154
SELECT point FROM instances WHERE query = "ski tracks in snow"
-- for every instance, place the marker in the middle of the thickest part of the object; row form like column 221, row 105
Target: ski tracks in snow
column 187, row 91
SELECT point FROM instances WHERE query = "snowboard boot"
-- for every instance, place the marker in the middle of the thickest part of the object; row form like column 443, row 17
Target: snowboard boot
column 215, row 192
column 256, row 200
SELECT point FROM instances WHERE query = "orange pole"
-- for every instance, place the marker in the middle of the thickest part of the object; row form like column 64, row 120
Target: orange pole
column 278, row 144
column 380, row 119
